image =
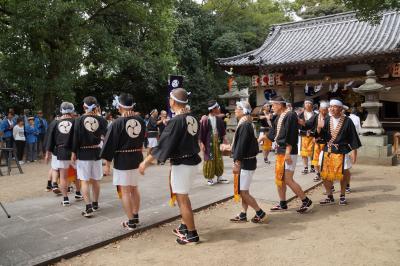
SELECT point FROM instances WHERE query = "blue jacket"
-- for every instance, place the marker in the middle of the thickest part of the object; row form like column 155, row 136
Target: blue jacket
column 31, row 133
column 41, row 125
column 5, row 127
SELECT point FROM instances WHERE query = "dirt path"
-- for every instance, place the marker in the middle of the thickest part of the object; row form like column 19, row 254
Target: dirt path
column 366, row 232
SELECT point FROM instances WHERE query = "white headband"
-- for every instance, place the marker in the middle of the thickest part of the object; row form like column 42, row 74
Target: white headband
column 216, row 105
column 245, row 110
column 176, row 99
column 67, row 111
column 117, row 104
column 308, row 101
column 272, row 101
column 324, row 105
column 345, row 107
column 336, row 102
column 90, row 107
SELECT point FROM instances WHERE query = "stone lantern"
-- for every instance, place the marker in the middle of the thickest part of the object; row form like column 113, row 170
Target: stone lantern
column 375, row 149
column 370, row 90
column 232, row 97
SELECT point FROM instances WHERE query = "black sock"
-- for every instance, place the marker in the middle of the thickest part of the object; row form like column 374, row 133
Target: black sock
column 182, row 227
column 312, row 166
column 348, row 186
column 330, row 197
column 342, row 196
column 131, row 222
column 136, row 216
column 66, row 199
column 191, row 234
column 259, row 212
column 306, row 168
column 55, row 184
column 78, row 193
column 283, row 203
column 49, row 183
column 95, row 204
column 88, row 206
column 243, row 215
column 306, row 199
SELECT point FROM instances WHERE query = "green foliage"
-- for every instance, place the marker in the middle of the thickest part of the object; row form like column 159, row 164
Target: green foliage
column 368, row 10
column 52, row 51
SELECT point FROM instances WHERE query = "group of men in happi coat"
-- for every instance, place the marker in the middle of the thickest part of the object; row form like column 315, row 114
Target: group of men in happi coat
column 85, row 141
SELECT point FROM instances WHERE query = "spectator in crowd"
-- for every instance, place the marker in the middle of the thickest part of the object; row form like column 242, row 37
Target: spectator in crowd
column 41, row 125
column 164, row 120
column 32, row 136
column 109, row 118
column 6, row 127
column 19, row 137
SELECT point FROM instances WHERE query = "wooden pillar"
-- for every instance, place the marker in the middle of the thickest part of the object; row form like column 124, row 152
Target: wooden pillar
column 291, row 90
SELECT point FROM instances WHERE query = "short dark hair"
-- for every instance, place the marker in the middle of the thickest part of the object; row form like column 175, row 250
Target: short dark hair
column 19, row 119
column 126, row 99
column 89, row 100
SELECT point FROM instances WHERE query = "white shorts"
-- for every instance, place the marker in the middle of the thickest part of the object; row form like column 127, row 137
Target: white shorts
column 291, row 167
column 87, row 170
column 63, row 164
column 153, row 142
column 54, row 162
column 125, row 177
column 246, row 176
column 182, row 178
column 347, row 161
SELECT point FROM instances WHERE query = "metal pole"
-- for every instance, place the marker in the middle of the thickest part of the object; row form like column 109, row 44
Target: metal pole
column 4, row 209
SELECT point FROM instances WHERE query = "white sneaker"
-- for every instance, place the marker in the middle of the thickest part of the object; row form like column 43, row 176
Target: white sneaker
column 21, row 162
column 222, row 180
column 210, row 182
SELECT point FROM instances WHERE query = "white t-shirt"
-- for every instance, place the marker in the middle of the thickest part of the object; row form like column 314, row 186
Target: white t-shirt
column 356, row 122
column 335, row 122
column 213, row 121
column 19, row 133
column 308, row 115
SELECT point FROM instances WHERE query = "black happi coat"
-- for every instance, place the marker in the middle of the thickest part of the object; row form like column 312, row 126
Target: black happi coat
column 179, row 141
column 125, row 133
column 309, row 124
column 245, row 145
column 318, row 138
column 347, row 139
column 152, row 128
column 288, row 134
column 88, row 131
column 59, row 138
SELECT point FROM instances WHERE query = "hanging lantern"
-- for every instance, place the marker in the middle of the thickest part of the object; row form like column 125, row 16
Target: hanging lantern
column 264, row 80
column 255, row 81
column 279, row 79
column 271, row 80
column 395, row 69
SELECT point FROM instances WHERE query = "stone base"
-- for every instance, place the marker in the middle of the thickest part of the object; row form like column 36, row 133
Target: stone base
column 375, row 151
column 377, row 131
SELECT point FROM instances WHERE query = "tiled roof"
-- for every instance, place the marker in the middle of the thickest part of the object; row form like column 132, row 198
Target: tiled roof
column 331, row 39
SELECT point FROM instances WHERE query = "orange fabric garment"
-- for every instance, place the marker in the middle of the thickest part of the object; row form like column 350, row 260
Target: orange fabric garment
column 279, row 169
column 318, row 148
column 332, row 166
column 307, row 144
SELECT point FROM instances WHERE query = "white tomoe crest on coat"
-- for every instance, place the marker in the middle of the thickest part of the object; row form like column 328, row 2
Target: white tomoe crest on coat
column 91, row 124
column 64, row 126
column 133, row 128
column 192, row 125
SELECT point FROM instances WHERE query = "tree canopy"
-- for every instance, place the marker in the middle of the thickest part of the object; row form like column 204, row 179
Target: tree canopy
column 52, row 51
